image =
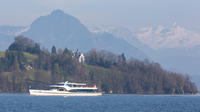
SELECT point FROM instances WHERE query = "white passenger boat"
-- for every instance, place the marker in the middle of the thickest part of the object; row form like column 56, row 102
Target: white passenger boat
column 67, row 89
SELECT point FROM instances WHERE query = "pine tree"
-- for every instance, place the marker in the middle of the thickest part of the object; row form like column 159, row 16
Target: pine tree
column 53, row 50
column 123, row 58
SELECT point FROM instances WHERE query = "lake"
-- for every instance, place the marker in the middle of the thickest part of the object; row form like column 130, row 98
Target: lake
column 105, row 103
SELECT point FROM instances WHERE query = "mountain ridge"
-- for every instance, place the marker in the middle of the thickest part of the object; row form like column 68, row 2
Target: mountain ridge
column 63, row 30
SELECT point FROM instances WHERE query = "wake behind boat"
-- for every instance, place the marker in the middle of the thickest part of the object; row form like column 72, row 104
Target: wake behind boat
column 67, row 89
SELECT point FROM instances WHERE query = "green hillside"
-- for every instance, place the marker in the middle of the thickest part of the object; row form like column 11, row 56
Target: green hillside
column 2, row 54
column 30, row 57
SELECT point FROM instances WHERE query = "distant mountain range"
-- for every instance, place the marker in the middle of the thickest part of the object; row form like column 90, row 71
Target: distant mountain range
column 162, row 37
column 63, row 30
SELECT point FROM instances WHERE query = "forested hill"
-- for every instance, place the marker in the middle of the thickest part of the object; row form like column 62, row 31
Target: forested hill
column 25, row 64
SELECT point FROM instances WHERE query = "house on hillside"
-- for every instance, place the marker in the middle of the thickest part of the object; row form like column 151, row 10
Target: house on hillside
column 79, row 56
column 28, row 67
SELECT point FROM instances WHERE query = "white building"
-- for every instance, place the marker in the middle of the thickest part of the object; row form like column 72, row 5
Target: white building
column 81, row 58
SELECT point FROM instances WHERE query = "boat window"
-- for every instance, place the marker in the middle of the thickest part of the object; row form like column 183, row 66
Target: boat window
column 60, row 84
column 70, row 85
column 61, row 89
column 84, row 90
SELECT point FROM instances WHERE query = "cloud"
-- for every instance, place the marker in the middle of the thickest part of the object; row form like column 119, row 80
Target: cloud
column 162, row 37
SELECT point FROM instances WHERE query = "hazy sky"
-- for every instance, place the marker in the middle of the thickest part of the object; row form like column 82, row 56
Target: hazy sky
column 129, row 13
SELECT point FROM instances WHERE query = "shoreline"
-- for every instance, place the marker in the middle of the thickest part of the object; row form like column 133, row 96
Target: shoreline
column 198, row 94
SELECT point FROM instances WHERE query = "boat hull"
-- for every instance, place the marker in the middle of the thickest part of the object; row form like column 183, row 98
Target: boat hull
column 60, row 93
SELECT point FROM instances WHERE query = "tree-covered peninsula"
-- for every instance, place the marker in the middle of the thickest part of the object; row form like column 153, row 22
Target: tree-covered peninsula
column 25, row 64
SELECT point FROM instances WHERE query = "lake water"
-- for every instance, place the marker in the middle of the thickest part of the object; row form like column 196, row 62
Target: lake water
column 105, row 103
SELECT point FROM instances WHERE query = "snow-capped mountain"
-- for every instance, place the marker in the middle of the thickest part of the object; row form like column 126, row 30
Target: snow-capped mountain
column 168, row 37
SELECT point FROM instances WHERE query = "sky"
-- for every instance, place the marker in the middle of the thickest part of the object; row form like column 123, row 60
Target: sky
column 128, row 13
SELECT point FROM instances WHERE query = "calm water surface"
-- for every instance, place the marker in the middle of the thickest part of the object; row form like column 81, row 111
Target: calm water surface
column 105, row 103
